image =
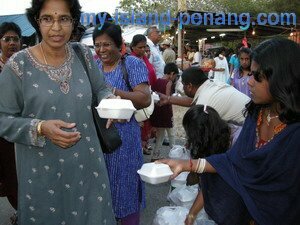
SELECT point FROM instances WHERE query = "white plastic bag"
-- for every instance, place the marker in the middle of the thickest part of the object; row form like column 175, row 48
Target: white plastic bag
column 179, row 152
column 184, row 196
column 180, row 180
column 145, row 113
column 170, row 216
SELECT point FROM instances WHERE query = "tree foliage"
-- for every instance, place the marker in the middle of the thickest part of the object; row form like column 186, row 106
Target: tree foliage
column 237, row 6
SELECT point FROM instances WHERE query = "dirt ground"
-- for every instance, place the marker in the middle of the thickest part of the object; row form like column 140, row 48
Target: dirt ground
column 178, row 113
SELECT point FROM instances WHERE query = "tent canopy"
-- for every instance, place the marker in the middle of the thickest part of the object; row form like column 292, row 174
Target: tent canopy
column 232, row 32
column 21, row 20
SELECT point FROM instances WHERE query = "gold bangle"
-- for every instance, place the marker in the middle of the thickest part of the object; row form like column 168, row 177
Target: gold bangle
column 39, row 127
column 191, row 216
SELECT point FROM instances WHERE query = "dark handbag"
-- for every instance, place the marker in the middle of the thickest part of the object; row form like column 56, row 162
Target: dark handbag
column 109, row 138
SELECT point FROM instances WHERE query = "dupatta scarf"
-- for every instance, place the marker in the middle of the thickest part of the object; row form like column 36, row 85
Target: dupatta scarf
column 267, row 179
column 151, row 72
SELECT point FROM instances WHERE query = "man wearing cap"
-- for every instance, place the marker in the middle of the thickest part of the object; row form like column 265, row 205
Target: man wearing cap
column 169, row 55
column 225, row 99
column 156, row 59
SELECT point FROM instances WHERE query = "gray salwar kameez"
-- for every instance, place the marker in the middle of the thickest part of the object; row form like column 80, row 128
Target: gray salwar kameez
column 56, row 186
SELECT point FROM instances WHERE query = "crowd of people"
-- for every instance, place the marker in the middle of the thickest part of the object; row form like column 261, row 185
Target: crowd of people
column 242, row 125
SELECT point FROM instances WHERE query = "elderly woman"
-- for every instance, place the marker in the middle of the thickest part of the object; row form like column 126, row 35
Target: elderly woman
column 10, row 43
column 127, row 189
column 61, row 171
column 262, row 167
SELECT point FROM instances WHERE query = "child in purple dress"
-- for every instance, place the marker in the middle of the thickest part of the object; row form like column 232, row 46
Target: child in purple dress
column 241, row 74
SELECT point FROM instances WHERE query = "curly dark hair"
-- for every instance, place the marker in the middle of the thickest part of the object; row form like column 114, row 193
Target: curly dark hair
column 279, row 59
column 10, row 26
column 112, row 30
column 207, row 133
column 33, row 12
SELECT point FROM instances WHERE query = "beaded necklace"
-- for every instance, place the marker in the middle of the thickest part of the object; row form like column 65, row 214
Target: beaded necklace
column 277, row 129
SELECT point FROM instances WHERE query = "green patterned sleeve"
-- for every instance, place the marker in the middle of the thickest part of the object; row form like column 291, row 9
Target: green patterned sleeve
column 13, row 126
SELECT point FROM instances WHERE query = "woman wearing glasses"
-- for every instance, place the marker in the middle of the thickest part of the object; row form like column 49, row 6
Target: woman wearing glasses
column 262, row 167
column 61, row 170
column 10, row 43
column 128, row 191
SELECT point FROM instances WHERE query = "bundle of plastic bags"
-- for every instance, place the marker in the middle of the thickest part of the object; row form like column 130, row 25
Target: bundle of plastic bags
column 176, row 215
column 169, row 215
column 179, row 152
column 183, row 196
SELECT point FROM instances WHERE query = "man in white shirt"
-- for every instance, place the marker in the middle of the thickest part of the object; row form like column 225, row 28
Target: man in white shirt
column 156, row 59
column 197, row 58
column 225, row 99
column 221, row 71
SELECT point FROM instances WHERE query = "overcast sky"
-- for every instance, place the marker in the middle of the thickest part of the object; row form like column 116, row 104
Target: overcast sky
column 8, row 7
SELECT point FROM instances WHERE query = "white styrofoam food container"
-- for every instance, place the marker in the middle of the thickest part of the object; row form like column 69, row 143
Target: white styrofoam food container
column 115, row 109
column 155, row 173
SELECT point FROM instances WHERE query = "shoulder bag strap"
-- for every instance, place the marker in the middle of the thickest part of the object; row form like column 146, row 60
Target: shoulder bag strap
column 81, row 58
column 125, row 73
column 83, row 62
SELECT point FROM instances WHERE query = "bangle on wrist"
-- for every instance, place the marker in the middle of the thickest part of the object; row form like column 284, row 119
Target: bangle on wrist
column 191, row 217
column 198, row 162
column 39, row 128
column 201, row 165
column 114, row 90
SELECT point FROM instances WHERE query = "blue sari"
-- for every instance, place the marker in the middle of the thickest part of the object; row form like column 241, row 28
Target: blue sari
column 267, row 179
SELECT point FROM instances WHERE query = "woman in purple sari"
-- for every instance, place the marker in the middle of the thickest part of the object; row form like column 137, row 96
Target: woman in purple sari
column 262, row 168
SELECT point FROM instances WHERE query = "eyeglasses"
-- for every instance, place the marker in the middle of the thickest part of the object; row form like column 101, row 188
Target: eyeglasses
column 103, row 45
column 10, row 38
column 257, row 75
column 48, row 21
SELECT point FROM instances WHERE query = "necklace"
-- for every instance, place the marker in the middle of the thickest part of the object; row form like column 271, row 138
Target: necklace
column 42, row 50
column 44, row 57
column 269, row 117
column 61, row 74
column 277, row 129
